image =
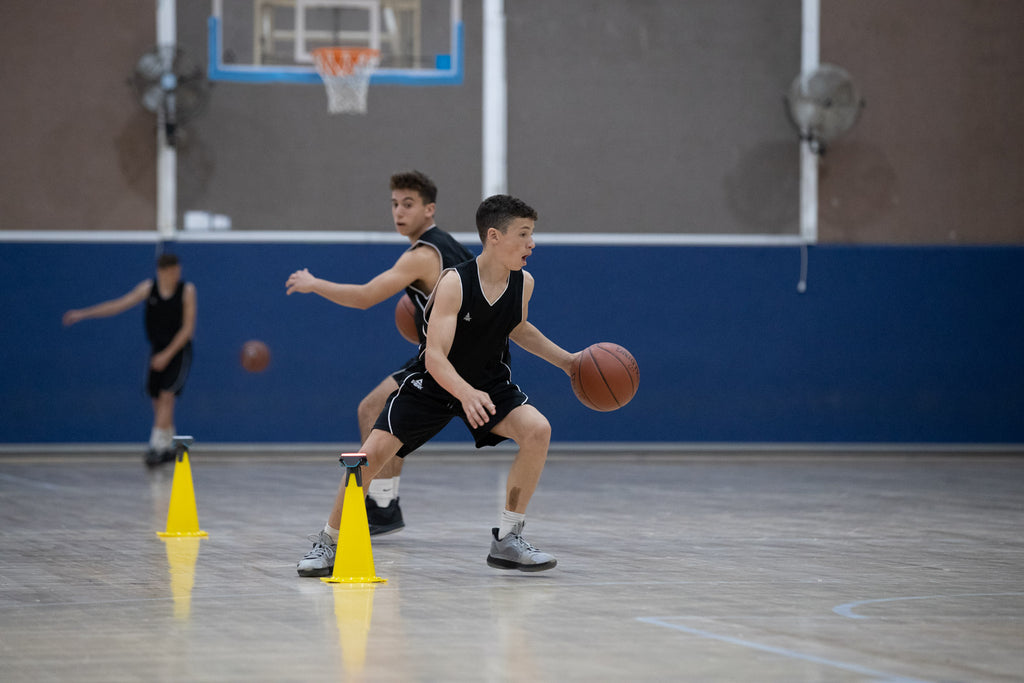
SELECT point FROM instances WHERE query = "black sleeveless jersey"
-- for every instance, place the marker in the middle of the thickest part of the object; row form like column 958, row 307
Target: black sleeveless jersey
column 479, row 351
column 452, row 253
column 164, row 317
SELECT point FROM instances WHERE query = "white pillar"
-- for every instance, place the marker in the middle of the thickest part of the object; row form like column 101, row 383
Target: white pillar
column 495, row 100
column 809, row 51
column 167, row 160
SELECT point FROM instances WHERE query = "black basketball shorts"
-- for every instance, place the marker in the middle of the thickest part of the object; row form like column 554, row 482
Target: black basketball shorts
column 420, row 408
column 172, row 378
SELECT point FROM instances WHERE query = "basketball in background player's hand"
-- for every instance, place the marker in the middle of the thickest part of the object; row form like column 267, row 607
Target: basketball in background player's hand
column 604, row 376
column 255, row 356
column 405, row 319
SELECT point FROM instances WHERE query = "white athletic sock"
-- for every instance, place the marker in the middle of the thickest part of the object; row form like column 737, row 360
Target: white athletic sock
column 165, row 438
column 161, row 439
column 510, row 521
column 332, row 532
column 383, row 491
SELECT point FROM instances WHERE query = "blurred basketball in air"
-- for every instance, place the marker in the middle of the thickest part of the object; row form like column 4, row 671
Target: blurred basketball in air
column 255, row 356
column 405, row 319
column 605, row 376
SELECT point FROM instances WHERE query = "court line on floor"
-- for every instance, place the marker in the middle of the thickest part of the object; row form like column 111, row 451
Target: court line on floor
column 792, row 654
column 846, row 610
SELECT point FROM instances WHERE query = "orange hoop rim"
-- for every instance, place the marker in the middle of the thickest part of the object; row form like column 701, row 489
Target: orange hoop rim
column 339, row 61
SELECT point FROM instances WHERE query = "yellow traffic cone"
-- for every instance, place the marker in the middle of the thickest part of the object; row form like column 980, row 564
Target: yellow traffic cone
column 353, row 609
column 353, row 561
column 182, row 518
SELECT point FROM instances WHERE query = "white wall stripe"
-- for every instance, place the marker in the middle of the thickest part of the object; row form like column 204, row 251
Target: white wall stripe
column 470, row 239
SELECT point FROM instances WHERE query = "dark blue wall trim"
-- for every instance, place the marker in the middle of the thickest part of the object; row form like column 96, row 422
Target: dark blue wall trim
column 888, row 344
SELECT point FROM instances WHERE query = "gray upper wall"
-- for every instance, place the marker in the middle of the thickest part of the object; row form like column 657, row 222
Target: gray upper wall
column 652, row 116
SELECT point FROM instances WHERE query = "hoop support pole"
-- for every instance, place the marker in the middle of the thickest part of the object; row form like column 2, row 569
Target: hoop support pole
column 809, row 57
column 167, row 158
column 495, row 100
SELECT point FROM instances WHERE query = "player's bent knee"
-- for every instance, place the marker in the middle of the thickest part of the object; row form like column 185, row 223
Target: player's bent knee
column 373, row 403
column 527, row 427
column 368, row 409
column 536, row 432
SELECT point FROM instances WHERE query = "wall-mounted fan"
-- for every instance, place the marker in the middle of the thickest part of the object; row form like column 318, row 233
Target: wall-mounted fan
column 174, row 89
column 823, row 104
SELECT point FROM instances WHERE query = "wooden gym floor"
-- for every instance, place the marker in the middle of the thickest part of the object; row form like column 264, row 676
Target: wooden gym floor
column 672, row 566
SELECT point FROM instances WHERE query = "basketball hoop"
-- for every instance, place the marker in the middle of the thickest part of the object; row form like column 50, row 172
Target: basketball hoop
column 346, row 73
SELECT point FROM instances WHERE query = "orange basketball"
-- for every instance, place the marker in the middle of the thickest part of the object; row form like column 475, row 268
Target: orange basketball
column 255, row 356
column 605, row 376
column 405, row 319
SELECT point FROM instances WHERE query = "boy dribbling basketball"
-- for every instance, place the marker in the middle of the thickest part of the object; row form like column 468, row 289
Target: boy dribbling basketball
column 464, row 371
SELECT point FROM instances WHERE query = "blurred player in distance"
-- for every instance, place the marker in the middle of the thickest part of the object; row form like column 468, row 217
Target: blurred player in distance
column 431, row 250
column 170, row 317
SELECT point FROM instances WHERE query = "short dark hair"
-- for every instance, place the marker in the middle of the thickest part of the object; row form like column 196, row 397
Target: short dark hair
column 498, row 211
column 167, row 260
column 419, row 182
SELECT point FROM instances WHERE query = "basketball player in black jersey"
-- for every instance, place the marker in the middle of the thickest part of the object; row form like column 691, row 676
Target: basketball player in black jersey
column 170, row 320
column 464, row 371
column 431, row 250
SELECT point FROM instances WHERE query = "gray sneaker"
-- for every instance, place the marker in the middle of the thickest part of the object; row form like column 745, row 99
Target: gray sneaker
column 320, row 560
column 514, row 552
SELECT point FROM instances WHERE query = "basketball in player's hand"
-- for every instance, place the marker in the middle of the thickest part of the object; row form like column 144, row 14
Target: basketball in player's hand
column 405, row 319
column 255, row 356
column 605, row 376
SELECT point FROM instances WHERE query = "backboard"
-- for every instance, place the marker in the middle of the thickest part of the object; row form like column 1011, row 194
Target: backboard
column 271, row 41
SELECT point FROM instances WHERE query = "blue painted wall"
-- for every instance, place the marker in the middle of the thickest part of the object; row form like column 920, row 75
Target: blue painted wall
column 888, row 344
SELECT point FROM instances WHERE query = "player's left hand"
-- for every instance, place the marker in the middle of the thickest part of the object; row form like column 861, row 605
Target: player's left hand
column 160, row 360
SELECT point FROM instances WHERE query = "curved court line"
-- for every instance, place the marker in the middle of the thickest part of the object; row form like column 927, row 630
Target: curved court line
column 792, row 654
column 846, row 610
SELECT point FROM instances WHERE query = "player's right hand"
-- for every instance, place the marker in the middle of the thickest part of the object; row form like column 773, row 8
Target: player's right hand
column 478, row 407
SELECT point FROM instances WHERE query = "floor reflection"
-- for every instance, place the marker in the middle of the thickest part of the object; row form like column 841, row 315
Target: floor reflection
column 182, row 554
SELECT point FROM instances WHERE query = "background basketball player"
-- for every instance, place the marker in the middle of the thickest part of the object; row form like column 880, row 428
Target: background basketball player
column 413, row 206
column 170, row 323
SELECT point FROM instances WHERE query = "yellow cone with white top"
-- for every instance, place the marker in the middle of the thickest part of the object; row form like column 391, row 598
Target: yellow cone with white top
column 182, row 516
column 353, row 560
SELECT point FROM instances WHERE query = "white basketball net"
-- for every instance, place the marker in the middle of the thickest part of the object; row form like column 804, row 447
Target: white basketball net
column 346, row 74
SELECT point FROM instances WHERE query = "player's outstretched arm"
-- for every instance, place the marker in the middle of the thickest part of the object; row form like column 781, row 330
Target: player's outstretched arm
column 413, row 266
column 112, row 307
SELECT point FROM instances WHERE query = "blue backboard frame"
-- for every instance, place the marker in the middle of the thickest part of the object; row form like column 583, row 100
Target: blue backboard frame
column 448, row 68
